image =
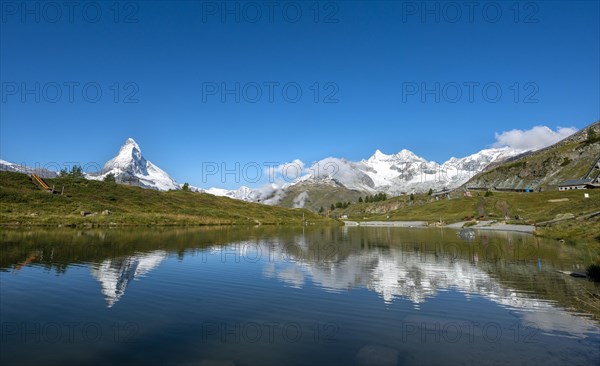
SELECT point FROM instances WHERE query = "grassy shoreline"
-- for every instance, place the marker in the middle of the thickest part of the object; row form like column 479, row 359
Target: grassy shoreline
column 503, row 207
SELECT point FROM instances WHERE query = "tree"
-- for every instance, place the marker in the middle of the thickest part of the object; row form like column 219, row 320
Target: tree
column 360, row 199
column 321, row 210
column 592, row 136
column 488, row 194
column 332, row 207
column 109, row 178
column 430, row 192
column 76, row 171
column 186, row 187
column 412, row 197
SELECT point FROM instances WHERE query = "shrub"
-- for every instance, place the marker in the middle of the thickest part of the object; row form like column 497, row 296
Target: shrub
column 593, row 272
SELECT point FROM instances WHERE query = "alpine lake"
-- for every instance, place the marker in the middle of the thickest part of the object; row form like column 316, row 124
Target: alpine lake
column 294, row 296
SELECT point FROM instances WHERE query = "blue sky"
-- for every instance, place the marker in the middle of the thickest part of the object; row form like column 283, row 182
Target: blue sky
column 164, row 68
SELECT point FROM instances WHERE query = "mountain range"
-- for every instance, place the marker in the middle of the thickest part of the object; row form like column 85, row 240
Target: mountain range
column 395, row 174
column 337, row 179
column 19, row 168
column 330, row 179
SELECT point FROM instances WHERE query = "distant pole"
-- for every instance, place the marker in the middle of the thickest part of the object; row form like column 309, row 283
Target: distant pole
column 62, row 191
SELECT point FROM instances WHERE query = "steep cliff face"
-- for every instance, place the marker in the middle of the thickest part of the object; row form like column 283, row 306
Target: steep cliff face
column 570, row 158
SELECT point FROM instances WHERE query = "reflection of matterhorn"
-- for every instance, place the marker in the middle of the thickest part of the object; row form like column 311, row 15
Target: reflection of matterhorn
column 114, row 274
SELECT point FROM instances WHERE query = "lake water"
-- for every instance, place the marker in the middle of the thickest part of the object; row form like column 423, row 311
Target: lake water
column 275, row 296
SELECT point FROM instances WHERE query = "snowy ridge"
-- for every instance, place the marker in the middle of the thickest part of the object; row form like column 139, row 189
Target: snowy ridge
column 270, row 194
column 405, row 172
column 396, row 174
column 12, row 167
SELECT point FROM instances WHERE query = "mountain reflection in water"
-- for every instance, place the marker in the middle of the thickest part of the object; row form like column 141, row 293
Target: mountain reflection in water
column 115, row 274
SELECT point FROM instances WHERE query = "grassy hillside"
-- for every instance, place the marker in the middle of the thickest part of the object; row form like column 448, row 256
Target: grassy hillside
column 23, row 202
column 518, row 207
column 568, row 159
column 319, row 195
column 574, row 231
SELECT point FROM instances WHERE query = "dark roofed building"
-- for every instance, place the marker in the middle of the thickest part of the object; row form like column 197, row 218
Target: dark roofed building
column 574, row 184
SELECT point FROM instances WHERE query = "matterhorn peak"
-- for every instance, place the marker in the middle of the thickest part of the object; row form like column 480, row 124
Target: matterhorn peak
column 129, row 154
column 129, row 166
column 131, row 147
column 131, row 142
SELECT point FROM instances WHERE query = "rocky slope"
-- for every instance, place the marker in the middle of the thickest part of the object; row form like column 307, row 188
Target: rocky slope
column 570, row 158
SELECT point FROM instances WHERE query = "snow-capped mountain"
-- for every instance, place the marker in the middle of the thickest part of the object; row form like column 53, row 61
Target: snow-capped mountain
column 395, row 174
column 130, row 166
column 243, row 193
column 404, row 172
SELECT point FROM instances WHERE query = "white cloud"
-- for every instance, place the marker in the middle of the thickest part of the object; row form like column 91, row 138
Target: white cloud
column 533, row 139
column 300, row 200
column 288, row 172
column 271, row 194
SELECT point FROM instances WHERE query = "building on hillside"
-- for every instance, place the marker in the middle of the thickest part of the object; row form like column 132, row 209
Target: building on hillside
column 526, row 189
column 575, row 184
column 477, row 188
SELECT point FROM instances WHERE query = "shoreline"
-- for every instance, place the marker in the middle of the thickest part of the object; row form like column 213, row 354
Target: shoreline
column 486, row 226
column 386, row 223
